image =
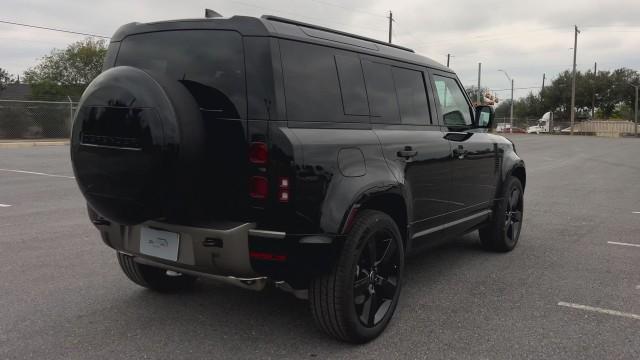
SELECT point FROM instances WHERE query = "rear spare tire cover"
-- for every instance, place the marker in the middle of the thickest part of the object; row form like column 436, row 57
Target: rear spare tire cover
column 136, row 145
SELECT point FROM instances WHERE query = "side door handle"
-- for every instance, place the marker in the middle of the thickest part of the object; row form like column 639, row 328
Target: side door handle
column 407, row 153
column 460, row 152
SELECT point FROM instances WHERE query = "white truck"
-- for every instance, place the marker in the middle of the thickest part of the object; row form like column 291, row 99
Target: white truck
column 543, row 125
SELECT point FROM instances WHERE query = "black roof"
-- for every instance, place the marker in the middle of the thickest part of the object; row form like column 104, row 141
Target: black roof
column 285, row 29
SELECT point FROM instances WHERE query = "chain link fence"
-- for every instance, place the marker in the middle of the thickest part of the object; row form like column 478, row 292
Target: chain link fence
column 36, row 119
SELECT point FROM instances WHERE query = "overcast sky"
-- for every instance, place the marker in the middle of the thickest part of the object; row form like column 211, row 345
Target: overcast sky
column 525, row 38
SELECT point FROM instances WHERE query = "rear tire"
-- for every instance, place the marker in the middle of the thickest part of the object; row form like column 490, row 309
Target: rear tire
column 356, row 300
column 503, row 231
column 154, row 278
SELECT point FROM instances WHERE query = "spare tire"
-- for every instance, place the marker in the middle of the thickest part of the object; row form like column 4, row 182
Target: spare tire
column 136, row 146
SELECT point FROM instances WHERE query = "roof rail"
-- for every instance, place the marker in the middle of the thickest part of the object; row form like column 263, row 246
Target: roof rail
column 295, row 22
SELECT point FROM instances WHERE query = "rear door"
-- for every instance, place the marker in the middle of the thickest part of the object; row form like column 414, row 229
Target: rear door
column 476, row 160
column 412, row 142
column 210, row 65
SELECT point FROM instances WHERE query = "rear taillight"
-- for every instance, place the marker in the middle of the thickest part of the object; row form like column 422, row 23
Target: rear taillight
column 258, row 153
column 283, row 189
column 265, row 256
column 259, row 187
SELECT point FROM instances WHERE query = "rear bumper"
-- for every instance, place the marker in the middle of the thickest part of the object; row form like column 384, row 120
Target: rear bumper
column 231, row 249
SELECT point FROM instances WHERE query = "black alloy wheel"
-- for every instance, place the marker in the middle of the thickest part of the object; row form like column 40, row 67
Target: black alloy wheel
column 355, row 301
column 502, row 232
column 513, row 215
column 376, row 278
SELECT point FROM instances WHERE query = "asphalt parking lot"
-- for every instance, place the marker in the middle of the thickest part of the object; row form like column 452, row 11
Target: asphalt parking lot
column 570, row 290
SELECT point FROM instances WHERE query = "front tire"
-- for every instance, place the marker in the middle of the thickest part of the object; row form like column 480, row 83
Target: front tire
column 154, row 278
column 356, row 300
column 503, row 232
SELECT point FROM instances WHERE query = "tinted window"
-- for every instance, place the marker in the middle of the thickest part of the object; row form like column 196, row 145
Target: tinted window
column 412, row 96
column 260, row 86
column 451, row 101
column 208, row 63
column 381, row 93
column 311, row 84
column 354, row 96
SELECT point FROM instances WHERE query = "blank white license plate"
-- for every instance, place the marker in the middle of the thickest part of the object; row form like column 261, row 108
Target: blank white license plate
column 159, row 243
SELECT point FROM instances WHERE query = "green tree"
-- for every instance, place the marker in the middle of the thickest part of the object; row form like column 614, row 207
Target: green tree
column 67, row 72
column 5, row 79
column 613, row 96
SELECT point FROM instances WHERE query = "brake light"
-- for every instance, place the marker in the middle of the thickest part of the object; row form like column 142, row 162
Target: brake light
column 258, row 153
column 258, row 187
column 283, row 189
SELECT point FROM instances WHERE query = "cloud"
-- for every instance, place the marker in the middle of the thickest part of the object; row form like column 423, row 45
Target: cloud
column 524, row 38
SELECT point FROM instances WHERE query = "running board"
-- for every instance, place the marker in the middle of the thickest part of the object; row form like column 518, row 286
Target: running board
column 432, row 230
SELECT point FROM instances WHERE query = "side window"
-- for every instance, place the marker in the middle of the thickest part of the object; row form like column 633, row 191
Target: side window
column 451, row 102
column 354, row 96
column 260, row 93
column 412, row 96
column 312, row 86
column 381, row 92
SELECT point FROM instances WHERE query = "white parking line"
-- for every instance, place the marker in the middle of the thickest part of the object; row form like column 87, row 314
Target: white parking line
column 5, row 205
column 599, row 310
column 623, row 244
column 37, row 173
column 635, row 212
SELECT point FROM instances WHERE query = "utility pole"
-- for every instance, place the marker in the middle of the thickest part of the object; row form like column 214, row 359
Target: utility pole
column 593, row 89
column 511, row 110
column 573, row 81
column 544, row 76
column 448, row 58
column 390, row 25
column 479, row 100
column 635, row 114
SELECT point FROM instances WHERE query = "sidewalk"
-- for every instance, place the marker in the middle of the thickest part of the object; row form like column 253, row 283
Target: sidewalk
column 20, row 143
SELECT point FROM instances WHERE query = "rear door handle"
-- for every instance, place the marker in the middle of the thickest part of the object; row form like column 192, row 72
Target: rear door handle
column 407, row 153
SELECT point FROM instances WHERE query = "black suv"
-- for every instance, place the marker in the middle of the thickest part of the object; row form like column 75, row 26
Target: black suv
column 265, row 150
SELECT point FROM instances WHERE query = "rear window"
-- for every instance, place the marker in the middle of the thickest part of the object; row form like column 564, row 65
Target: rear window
column 314, row 92
column 208, row 63
column 382, row 93
column 412, row 96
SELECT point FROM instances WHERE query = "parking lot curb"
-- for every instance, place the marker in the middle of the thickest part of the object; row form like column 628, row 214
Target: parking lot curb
column 23, row 144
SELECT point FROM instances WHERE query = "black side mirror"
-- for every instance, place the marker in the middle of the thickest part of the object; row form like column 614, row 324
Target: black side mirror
column 484, row 116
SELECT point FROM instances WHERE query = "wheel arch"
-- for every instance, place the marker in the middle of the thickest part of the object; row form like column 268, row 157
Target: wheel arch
column 389, row 201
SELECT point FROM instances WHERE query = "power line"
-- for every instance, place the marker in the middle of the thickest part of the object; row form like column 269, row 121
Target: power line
column 302, row 16
column 487, row 37
column 518, row 88
column 349, row 8
column 53, row 29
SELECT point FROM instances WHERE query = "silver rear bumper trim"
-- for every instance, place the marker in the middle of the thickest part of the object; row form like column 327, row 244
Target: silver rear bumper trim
column 267, row 234
column 254, row 283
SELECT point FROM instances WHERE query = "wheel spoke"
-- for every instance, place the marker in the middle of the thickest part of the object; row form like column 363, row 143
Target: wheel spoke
column 515, row 198
column 361, row 287
column 517, row 216
column 388, row 253
column 372, row 251
column 510, row 231
column 372, row 309
column 515, row 228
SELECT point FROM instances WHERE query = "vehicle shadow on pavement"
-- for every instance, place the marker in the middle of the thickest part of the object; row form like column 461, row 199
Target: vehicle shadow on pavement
column 232, row 322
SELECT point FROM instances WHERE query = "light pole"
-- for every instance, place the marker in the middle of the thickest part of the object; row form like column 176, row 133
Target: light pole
column 511, row 110
column 635, row 113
